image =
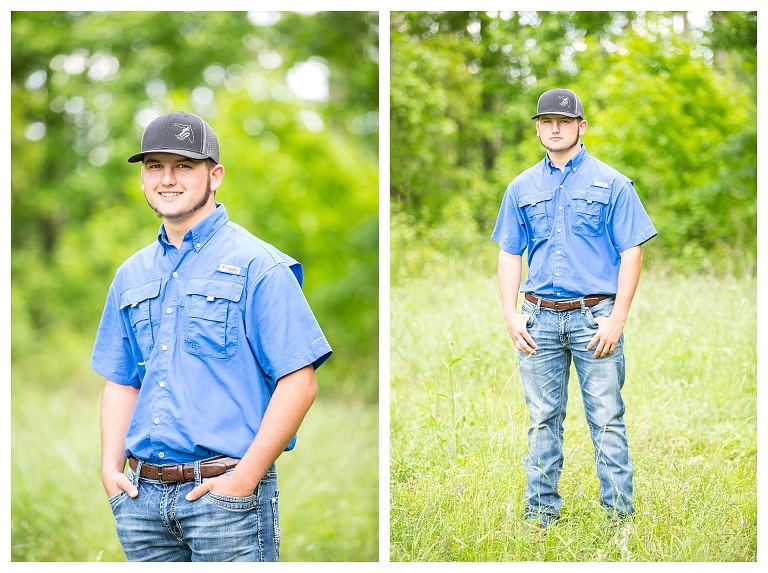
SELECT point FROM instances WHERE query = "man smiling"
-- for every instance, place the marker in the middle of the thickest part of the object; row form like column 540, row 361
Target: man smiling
column 209, row 349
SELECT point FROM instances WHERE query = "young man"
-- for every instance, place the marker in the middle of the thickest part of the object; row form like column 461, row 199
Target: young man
column 209, row 349
column 583, row 225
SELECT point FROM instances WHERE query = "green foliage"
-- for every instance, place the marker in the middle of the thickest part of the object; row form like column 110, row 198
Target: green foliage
column 670, row 101
column 301, row 172
column 59, row 511
column 458, row 427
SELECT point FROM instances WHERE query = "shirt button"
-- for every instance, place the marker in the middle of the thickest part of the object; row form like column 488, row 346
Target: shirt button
column 561, row 186
column 164, row 347
column 168, row 310
column 560, row 208
column 175, row 275
column 156, row 420
column 559, row 230
column 161, row 455
column 162, row 384
column 557, row 274
column 558, row 252
column 197, row 245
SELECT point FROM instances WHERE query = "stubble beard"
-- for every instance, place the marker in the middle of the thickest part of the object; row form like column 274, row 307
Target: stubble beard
column 564, row 147
column 189, row 211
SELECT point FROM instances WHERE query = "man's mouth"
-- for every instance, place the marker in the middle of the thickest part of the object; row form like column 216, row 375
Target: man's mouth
column 170, row 194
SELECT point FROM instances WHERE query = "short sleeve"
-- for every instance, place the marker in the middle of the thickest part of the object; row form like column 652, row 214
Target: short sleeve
column 628, row 223
column 280, row 326
column 510, row 231
column 113, row 354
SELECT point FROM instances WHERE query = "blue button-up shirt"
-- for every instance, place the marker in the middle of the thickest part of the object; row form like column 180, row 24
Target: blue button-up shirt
column 204, row 332
column 574, row 223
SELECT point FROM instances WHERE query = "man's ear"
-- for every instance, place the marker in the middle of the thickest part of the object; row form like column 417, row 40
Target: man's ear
column 217, row 174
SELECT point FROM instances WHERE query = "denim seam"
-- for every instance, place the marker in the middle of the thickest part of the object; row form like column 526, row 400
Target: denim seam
column 559, row 421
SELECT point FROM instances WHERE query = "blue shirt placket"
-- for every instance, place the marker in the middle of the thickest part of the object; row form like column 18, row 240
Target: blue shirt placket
column 559, row 249
column 162, row 386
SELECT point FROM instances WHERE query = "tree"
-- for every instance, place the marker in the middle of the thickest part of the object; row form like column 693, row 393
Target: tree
column 670, row 97
column 294, row 100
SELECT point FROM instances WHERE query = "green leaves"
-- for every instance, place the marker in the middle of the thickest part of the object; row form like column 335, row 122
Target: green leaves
column 301, row 168
column 670, row 101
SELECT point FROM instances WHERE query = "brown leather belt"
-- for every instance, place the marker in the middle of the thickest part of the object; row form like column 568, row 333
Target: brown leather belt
column 184, row 472
column 563, row 305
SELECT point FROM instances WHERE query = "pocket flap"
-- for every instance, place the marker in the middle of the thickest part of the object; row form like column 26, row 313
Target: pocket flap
column 217, row 289
column 134, row 295
column 533, row 198
column 591, row 195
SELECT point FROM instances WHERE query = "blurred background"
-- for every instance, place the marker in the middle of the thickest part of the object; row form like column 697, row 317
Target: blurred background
column 293, row 98
column 670, row 100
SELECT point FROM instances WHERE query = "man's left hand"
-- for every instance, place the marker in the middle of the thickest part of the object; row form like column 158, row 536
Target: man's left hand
column 609, row 331
column 227, row 485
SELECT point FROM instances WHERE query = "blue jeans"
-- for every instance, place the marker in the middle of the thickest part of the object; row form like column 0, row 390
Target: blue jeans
column 161, row 525
column 562, row 337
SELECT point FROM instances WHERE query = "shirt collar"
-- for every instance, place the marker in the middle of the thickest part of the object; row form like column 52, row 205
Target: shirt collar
column 201, row 233
column 573, row 163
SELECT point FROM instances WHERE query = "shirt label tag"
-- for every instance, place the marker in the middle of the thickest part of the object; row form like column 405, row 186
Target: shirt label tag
column 229, row 269
column 600, row 184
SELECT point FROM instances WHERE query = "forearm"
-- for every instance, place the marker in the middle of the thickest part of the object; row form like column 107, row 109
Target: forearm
column 117, row 404
column 291, row 401
column 509, row 276
column 629, row 277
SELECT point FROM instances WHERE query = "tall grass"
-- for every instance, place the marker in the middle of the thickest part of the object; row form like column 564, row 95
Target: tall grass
column 458, row 425
column 59, row 512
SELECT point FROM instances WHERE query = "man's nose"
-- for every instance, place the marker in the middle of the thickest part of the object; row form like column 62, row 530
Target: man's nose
column 168, row 176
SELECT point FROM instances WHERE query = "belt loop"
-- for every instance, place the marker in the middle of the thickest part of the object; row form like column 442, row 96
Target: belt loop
column 198, row 476
column 583, row 306
column 538, row 305
column 137, row 473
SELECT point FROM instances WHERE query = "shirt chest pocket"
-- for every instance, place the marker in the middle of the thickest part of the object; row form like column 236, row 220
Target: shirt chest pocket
column 138, row 302
column 589, row 211
column 539, row 211
column 212, row 317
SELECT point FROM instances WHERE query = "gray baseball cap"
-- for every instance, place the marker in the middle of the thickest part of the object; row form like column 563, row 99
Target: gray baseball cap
column 560, row 101
column 180, row 133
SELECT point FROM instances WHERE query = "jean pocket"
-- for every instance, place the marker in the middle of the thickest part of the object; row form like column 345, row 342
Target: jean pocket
column 116, row 500
column 232, row 503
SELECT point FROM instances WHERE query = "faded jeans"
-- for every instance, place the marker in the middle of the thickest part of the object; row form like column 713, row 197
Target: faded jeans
column 562, row 337
column 161, row 525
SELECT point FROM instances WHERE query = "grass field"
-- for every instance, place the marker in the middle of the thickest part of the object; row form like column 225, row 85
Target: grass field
column 458, row 428
column 59, row 512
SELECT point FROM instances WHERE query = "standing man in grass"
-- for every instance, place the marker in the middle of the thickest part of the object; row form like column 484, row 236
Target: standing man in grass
column 209, row 349
column 583, row 225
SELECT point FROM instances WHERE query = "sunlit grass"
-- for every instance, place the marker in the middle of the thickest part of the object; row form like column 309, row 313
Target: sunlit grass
column 59, row 512
column 459, row 420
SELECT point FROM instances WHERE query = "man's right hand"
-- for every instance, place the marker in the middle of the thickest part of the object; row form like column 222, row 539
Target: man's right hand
column 115, row 482
column 516, row 326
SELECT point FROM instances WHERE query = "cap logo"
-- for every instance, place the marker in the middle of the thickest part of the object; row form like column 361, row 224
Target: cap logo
column 185, row 133
column 564, row 101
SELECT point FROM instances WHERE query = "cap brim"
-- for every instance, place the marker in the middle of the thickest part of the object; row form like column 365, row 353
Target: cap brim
column 538, row 115
column 183, row 152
